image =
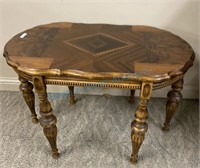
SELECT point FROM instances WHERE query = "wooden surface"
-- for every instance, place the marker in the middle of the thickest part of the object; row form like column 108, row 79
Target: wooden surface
column 134, row 57
column 99, row 50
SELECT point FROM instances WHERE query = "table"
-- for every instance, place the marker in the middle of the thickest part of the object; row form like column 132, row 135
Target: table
column 116, row 56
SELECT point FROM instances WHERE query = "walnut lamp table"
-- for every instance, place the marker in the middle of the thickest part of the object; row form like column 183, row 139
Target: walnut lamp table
column 128, row 57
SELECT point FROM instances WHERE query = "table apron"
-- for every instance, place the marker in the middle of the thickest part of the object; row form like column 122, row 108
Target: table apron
column 105, row 84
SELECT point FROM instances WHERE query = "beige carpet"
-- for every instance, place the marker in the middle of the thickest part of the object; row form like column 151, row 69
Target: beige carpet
column 95, row 133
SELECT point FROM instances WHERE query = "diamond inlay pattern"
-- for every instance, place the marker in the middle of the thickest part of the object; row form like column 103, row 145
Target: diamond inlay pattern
column 97, row 44
column 99, row 48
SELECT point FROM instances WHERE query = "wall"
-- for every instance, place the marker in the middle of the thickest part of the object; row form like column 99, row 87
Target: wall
column 177, row 16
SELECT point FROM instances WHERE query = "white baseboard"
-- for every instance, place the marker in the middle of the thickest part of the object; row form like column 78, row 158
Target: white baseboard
column 12, row 84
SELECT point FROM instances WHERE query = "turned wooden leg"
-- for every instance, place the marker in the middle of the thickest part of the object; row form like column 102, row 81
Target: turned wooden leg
column 48, row 119
column 139, row 126
column 27, row 91
column 71, row 93
column 174, row 97
column 131, row 100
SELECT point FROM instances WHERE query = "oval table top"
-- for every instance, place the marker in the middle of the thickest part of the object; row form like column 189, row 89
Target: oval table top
column 99, row 51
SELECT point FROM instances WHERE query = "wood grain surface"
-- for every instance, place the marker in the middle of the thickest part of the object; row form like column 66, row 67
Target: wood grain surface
column 61, row 48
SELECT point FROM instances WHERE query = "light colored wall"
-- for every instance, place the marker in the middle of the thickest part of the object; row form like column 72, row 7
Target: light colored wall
column 178, row 16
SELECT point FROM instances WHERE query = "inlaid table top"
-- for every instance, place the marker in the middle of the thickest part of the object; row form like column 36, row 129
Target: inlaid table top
column 116, row 56
column 99, row 51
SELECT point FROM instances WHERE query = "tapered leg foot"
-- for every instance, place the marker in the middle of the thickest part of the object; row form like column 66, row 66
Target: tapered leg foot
column 48, row 119
column 134, row 159
column 139, row 126
column 174, row 97
column 35, row 120
column 51, row 134
column 29, row 97
column 131, row 100
column 72, row 97
column 137, row 140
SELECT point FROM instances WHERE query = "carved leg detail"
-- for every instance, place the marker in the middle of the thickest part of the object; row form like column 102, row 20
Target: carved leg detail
column 72, row 97
column 50, row 132
column 47, row 120
column 26, row 88
column 174, row 97
column 131, row 100
column 139, row 126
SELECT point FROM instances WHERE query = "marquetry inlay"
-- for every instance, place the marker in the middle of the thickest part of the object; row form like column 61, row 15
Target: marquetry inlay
column 98, row 44
column 99, row 55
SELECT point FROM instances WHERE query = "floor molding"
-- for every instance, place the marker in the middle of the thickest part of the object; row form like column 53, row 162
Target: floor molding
column 12, row 84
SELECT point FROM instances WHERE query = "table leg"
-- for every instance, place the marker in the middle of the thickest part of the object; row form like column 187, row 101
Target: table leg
column 131, row 100
column 174, row 97
column 27, row 90
column 139, row 125
column 48, row 119
column 71, row 93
